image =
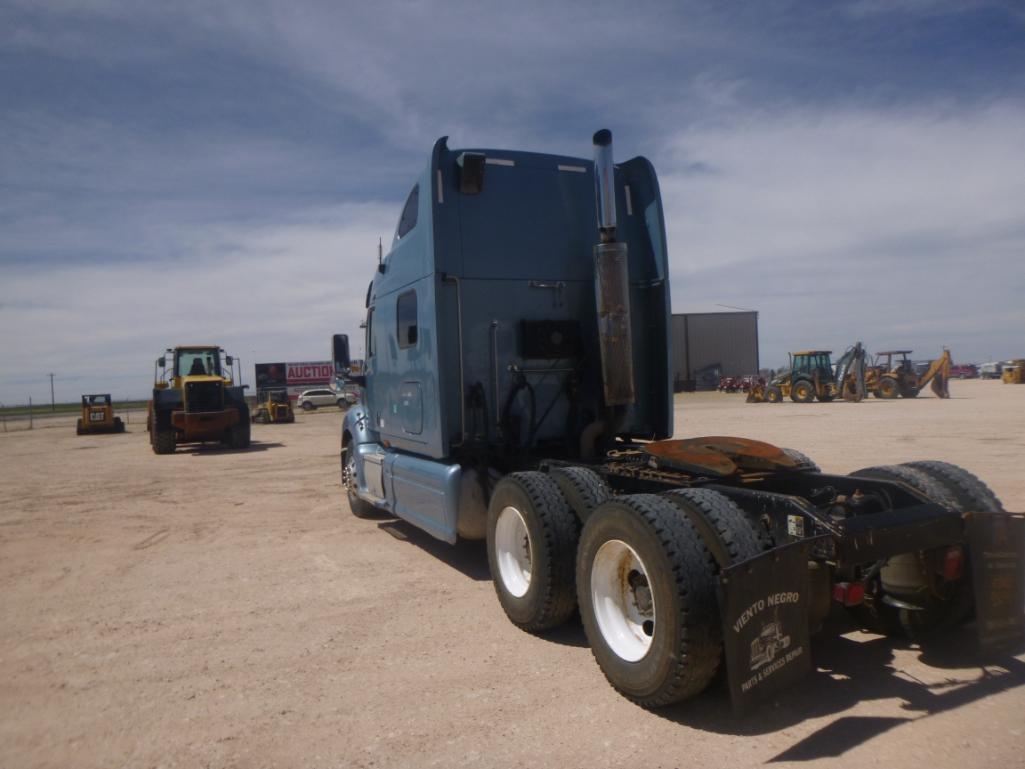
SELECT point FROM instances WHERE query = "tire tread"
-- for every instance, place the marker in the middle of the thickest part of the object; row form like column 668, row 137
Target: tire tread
column 693, row 573
column 560, row 531
column 582, row 488
column 970, row 491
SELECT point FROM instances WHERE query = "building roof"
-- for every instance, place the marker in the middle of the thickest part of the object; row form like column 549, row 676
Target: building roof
column 707, row 308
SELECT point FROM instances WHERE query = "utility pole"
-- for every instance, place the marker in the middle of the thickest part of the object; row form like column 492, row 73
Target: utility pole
column 53, row 404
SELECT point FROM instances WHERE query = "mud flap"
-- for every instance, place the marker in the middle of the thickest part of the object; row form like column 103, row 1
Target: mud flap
column 996, row 546
column 764, row 605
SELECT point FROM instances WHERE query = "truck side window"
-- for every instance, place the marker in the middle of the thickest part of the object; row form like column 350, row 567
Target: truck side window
column 408, row 219
column 405, row 312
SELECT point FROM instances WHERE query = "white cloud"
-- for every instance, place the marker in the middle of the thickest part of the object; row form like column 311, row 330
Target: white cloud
column 274, row 292
column 900, row 226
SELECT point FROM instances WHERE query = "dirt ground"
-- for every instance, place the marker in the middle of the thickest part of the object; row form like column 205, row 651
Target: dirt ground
column 222, row 609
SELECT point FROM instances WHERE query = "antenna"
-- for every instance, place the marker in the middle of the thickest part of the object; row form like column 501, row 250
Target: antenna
column 380, row 251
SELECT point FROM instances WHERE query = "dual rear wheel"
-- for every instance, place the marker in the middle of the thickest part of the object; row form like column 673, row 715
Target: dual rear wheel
column 643, row 579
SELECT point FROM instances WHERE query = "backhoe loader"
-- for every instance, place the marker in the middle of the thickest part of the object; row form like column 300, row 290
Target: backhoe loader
column 893, row 375
column 810, row 376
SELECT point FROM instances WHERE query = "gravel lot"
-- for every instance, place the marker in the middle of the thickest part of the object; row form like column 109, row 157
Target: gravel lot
column 224, row 609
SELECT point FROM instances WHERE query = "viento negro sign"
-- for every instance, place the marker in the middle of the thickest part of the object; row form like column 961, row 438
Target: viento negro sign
column 765, row 622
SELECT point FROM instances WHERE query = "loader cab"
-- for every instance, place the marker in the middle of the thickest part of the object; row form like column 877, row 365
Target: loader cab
column 810, row 361
column 197, row 361
column 895, row 360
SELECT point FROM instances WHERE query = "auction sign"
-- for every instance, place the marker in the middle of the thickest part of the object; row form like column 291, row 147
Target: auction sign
column 305, row 375
column 295, row 377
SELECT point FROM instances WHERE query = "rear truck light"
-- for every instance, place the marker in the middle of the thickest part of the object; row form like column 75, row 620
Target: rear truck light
column 953, row 564
column 849, row 593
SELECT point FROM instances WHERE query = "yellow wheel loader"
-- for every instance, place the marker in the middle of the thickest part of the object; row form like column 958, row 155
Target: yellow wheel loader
column 98, row 416
column 196, row 400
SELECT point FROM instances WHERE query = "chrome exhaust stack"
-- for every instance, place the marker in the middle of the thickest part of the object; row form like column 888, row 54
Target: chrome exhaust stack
column 611, row 283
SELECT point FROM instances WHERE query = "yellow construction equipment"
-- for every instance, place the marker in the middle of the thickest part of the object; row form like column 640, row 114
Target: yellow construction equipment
column 98, row 416
column 196, row 400
column 1014, row 372
column 893, row 375
column 810, row 376
column 275, row 407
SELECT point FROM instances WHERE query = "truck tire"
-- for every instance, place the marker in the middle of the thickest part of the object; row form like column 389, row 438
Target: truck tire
column 532, row 539
column 640, row 561
column 803, row 391
column 773, row 394
column 119, row 426
column 910, row 476
column 939, row 612
column 78, row 427
column 803, row 459
column 743, row 537
column 888, row 388
column 358, row 507
column 582, row 488
column 909, row 392
column 971, row 494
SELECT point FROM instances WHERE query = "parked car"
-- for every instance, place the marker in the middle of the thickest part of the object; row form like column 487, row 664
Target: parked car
column 350, row 392
column 311, row 399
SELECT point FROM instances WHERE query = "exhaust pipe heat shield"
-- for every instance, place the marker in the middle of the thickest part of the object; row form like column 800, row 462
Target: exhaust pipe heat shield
column 612, row 292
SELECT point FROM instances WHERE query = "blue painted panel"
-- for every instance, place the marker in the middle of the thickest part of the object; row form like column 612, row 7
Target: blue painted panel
column 425, row 493
column 411, row 408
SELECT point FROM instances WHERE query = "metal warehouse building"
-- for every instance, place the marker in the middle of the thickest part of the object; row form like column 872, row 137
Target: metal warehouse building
column 709, row 343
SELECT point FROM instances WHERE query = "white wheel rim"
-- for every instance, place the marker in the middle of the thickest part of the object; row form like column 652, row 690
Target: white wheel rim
column 622, row 600
column 513, row 547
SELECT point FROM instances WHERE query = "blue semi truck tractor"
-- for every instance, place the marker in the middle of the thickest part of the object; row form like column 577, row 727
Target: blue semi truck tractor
column 516, row 389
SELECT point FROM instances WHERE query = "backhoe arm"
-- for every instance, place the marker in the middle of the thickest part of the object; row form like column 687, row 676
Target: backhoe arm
column 938, row 375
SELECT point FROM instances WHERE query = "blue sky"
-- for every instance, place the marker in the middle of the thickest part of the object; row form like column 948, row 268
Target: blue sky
column 221, row 171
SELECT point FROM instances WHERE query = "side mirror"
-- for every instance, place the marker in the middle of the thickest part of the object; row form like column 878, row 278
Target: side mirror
column 340, row 354
column 160, row 363
column 471, row 172
column 229, row 360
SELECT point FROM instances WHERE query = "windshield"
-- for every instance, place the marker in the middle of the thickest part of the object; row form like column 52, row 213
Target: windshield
column 812, row 361
column 197, row 361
